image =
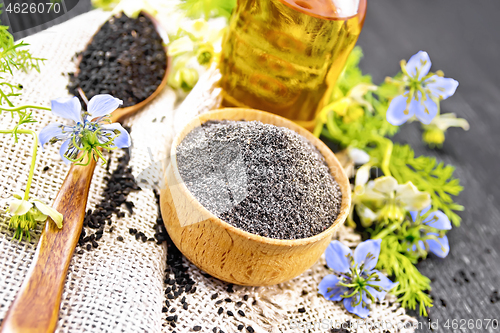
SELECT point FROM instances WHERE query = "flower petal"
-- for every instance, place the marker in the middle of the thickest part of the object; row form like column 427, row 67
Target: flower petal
column 69, row 108
column 358, row 310
column 369, row 248
column 425, row 210
column 330, row 282
column 54, row 214
column 386, row 184
column 419, row 63
column 398, row 112
column 439, row 247
column 426, row 112
column 414, row 216
column 438, row 220
column 50, row 131
column 121, row 141
column 384, row 283
column 19, row 207
column 358, row 156
column 411, row 197
column 447, row 120
column 441, row 87
column 362, row 175
column 63, row 149
column 103, row 104
column 336, row 256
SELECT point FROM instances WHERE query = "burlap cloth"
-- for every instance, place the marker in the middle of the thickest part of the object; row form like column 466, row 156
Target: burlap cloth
column 119, row 286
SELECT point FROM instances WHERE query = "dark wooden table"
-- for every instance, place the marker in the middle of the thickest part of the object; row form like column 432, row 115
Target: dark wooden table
column 462, row 38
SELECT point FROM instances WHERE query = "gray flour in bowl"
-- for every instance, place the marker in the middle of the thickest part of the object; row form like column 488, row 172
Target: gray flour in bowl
column 264, row 179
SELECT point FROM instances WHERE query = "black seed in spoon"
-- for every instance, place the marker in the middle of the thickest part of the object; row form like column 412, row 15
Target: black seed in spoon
column 125, row 58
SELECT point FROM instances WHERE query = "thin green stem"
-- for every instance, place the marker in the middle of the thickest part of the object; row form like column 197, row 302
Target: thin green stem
column 23, row 107
column 33, row 157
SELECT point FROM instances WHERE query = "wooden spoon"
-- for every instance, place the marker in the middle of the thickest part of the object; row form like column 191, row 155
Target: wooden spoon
column 36, row 306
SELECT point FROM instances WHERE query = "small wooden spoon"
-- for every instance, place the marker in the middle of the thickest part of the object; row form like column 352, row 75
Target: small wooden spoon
column 36, row 306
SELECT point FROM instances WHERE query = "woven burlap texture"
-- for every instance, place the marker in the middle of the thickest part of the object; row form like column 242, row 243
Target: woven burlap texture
column 119, row 286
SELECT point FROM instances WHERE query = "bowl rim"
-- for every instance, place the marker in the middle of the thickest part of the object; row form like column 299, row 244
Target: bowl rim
column 343, row 180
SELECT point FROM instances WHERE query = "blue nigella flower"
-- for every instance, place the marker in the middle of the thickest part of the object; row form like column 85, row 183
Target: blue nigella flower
column 91, row 130
column 422, row 91
column 356, row 281
column 432, row 241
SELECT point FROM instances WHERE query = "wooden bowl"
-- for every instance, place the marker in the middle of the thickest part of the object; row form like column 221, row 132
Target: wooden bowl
column 226, row 252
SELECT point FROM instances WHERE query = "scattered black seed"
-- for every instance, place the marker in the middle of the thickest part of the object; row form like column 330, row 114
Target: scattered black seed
column 125, row 58
column 230, row 313
column 185, row 306
column 169, row 289
column 172, row 310
column 220, row 311
column 170, row 296
column 228, row 300
column 173, row 324
column 80, row 252
column 175, row 318
column 132, row 231
column 167, row 303
column 302, row 310
column 183, row 299
column 219, row 302
column 250, row 329
column 170, row 318
column 281, row 186
column 230, row 288
column 193, row 290
column 245, row 297
column 241, row 313
column 118, row 186
column 214, row 296
column 164, row 309
column 304, row 292
column 46, row 168
column 240, row 327
column 495, row 297
column 214, row 329
column 196, row 328
column 239, row 303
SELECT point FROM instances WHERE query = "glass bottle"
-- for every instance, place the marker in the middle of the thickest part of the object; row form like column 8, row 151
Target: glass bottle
column 284, row 56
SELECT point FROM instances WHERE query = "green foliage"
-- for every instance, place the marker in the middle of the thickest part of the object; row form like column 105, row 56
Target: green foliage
column 430, row 176
column 208, row 8
column 356, row 117
column 16, row 57
column 413, row 287
column 13, row 56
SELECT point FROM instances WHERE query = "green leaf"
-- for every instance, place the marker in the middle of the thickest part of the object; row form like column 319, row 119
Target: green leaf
column 413, row 287
column 207, row 8
column 430, row 176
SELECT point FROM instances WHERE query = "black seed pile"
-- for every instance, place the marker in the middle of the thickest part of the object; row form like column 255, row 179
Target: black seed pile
column 261, row 178
column 125, row 58
column 119, row 184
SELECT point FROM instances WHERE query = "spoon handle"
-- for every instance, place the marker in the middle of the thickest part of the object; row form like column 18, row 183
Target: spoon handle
column 36, row 306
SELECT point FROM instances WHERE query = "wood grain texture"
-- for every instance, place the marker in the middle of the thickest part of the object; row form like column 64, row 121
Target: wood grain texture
column 229, row 253
column 36, row 306
column 461, row 37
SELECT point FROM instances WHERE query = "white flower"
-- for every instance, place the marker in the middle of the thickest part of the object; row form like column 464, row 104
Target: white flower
column 27, row 213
